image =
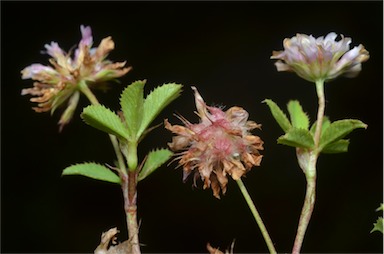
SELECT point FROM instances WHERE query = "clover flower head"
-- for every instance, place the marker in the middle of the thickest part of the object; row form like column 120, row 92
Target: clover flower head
column 61, row 82
column 320, row 58
column 221, row 144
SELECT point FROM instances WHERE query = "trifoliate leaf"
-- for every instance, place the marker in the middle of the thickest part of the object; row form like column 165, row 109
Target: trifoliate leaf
column 378, row 226
column 340, row 146
column 92, row 170
column 297, row 138
column 326, row 124
column 154, row 160
column 279, row 115
column 299, row 118
column 156, row 101
column 132, row 101
column 338, row 130
column 105, row 120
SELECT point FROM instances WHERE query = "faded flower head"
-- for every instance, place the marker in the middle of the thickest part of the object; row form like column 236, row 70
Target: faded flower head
column 219, row 145
column 65, row 79
column 320, row 58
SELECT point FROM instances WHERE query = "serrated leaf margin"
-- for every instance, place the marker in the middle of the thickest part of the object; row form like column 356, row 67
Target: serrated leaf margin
column 104, row 119
column 297, row 138
column 280, row 117
column 152, row 163
column 156, row 101
column 131, row 102
column 102, row 172
column 299, row 119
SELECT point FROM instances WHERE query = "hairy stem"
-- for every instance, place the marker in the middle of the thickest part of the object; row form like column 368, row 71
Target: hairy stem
column 256, row 215
column 129, row 180
column 309, row 204
column 320, row 111
column 308, row 163
column 131, row 199
column 130, row 206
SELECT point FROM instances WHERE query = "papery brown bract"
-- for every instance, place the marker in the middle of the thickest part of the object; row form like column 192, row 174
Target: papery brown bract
column 219, row 145
column 60, row 83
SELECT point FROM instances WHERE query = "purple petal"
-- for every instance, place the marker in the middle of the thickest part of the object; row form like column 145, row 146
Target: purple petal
column 53, row 50
column 330, row 38
column 86, row 34
column 310, row 51
column 34, row 69
column 349, row 57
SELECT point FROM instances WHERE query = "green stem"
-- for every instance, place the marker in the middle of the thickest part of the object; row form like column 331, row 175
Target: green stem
column 129, row 183
column 320, row 111
column 309, row 203
column 308, row 161
column 130, row 197
column 129, row 180
column 92, row 98
column 132, row 156
column 87, row 92
column 256, row 215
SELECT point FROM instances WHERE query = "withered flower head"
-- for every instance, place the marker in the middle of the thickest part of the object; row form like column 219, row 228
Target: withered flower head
column 65, row 79
column 219, row 145
column 320, row 58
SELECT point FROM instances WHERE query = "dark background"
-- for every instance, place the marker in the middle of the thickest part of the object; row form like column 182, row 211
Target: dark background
column 224, row 49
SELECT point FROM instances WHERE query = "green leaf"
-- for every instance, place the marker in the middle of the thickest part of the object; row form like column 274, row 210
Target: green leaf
column 380, row 208
column 297, row 138
column 279, row 115
column 154, row 160
column 299, row 118
column 338, row 130
column 92, row 170
column 378, row 226
column 156, row 101
column 326, row 124
column 132, row 101
column 105, row 120
column 340, row 146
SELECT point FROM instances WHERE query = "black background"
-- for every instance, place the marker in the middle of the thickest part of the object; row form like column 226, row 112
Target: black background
column 224, row 49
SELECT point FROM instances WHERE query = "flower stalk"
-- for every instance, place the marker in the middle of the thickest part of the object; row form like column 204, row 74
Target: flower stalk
column 309, row 203
column 256, row 215
column 221, row 144
column 67, row 75
column 129, row 180
column 317, row 60
column 64, row 81
column 320, row 112
column 83, row 87
column 308, row 163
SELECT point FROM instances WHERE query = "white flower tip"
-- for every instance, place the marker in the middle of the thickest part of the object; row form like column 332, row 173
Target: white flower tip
column 24, row 91
column 200, row 104
column 280, row 66
column 353, row 71
column 198, row 97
